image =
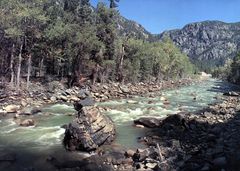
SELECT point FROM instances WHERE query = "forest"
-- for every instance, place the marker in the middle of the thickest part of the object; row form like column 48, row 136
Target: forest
column 72, row 39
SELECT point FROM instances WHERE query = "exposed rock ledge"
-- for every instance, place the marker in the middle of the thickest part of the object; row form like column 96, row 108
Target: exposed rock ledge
column 89, row 130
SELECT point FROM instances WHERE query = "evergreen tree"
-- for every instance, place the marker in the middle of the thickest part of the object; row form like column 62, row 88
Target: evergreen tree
column 113, row 3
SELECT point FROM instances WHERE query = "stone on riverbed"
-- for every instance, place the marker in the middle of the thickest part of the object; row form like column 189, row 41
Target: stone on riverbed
column 11, row 108
column 89, row 130
column 231, row 93
column 27, row 122
column 148, row 122
column 30, row 111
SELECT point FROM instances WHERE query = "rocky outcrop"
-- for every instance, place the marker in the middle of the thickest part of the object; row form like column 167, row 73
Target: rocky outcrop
column 208, row 42
column 128, row 27
column 89, row 130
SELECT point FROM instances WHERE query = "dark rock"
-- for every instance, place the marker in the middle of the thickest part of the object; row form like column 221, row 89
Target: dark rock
column 148, row 122
column 89, row 130
column 220, row 161
column 86, row 102
column 136, row 157
column 176, row 120
column 231, row 93
column 30, row 111
column 7, row 158
column 64, row 126
column 93, row 163
column 153, row 153
column 129, row 153
column 83, row 94
column 35, row 111
column 140, row 155
column 115, row 157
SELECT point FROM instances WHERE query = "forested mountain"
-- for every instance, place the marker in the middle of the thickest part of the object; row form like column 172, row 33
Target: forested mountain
column 70, row 38
column 208, row 43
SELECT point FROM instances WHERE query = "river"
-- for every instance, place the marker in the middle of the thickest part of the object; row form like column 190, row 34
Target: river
column 31, row 146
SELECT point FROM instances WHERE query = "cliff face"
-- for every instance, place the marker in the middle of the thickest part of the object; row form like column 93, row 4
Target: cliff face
column 129, row 27
column 208, row 42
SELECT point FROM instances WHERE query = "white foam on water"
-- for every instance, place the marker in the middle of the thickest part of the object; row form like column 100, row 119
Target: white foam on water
column 11, row 122
column 116, row 112
column 9, row 131
column 166, row 111
column 51, row 138
column 113, row 103
column 59, row 109
column 59, row 106
column 47, row 128
column 122, row 119
column 137, row 111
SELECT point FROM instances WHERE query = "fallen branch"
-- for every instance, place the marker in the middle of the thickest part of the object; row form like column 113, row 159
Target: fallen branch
column 160, row 154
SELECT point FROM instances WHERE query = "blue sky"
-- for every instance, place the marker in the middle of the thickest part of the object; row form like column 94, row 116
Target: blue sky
column 160, row 15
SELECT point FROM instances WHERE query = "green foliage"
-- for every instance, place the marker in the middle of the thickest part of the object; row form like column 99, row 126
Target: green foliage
column 68, row 36
column 234, row 73
column 230, row 71
column 162, row 60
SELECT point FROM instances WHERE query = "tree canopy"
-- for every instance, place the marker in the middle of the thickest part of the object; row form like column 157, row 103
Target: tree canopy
column 70, row 37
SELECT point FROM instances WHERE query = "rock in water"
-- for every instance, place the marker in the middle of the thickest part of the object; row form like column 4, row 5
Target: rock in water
column 148, row 122
column 27, row 122
column 11, row 108
column 231, row 93
column 89, row 130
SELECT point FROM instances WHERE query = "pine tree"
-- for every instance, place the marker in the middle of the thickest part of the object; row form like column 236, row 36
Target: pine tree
column 113, row 3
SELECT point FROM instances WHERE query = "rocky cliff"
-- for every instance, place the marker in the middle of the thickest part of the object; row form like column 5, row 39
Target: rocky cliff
column 129, row 27
column 207, row 43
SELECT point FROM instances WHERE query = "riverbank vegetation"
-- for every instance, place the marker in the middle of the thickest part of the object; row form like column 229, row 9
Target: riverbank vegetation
column 63, row 38
column 230, row 71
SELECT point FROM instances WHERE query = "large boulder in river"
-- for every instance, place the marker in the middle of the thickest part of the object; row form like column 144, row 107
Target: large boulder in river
column 89, row 130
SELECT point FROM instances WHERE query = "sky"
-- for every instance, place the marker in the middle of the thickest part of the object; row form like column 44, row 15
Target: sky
column 161, row 15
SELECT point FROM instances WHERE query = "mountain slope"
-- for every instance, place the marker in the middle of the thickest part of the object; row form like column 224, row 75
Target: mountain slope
column 129, row 27
column 207, row 43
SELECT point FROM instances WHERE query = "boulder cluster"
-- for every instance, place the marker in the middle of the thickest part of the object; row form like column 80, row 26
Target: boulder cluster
column 204, row 140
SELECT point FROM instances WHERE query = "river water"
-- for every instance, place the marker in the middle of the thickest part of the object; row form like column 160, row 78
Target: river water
column 33, row 145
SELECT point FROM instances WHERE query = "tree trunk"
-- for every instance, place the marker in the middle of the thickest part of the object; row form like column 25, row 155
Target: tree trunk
column 11, row 65
column 19, row 66
column 120, row 66
column 29, row 69
column 41, row 66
